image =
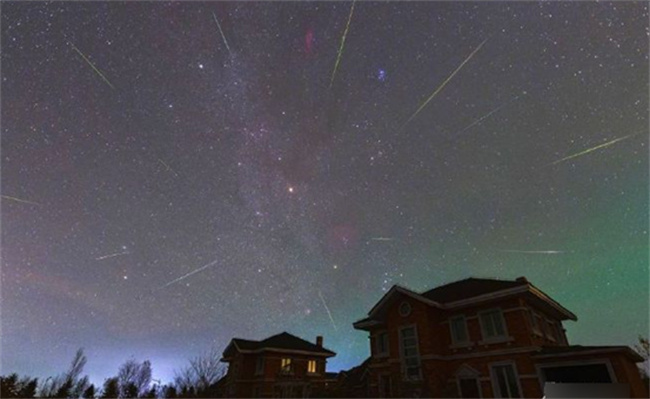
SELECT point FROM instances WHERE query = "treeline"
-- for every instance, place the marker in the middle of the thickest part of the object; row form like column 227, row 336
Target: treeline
column 133, row 380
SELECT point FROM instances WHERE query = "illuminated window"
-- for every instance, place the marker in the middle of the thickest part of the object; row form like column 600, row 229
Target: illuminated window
column 311, row 366
column 286, row 365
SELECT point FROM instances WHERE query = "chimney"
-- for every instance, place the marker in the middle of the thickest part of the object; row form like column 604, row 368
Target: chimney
column 521, row 279
column 319, row 341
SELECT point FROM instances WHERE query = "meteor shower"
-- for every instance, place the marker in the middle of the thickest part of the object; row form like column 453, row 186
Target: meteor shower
column 387, row 199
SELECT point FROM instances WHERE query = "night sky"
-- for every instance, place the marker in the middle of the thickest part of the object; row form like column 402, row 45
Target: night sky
column 165, row 190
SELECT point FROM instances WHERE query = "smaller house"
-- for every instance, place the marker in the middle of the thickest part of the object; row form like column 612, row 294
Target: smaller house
column 282, row 365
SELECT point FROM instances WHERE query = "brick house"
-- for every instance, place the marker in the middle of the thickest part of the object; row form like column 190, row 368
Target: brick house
column 482, row 338
column 282, row 365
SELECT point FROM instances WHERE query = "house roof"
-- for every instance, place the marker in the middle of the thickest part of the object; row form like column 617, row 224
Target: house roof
column 575, row 350
column 469, row 288
column 464, row 292
column 356, row 375
column 283, row 342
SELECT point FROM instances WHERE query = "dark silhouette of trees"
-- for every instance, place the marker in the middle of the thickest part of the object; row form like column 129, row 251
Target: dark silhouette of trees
column 134, row 379
column 111, row 388
column 89, row 392
column 69, row 384
column 198, row 379
column 13, row 387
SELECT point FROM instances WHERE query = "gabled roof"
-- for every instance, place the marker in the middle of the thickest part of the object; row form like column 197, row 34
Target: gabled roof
column 461, row 293
column 469, row 288
column 283, row 342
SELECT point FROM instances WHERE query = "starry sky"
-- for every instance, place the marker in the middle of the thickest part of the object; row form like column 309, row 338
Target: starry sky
column 178, row 174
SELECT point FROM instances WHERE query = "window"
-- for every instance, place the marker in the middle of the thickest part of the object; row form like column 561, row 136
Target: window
column 410, row 353
column 405, row 309
column 492, row 324
column 458, row 329
column 534, row 321
column 550, row 330
column 285, row 366
column 504, row 380
column 259, row 366
column 311, row 366
column 381, row 344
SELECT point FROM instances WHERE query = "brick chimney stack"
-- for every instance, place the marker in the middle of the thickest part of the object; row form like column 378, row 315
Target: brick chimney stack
column 521, row 279
column 319, row 341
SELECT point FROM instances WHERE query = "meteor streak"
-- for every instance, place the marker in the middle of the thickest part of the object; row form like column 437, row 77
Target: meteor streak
column 221, row 31
column 19, row 200
column 167, row 167
column 320, row 294
column 587, row 151
column 481, row 119
column 551, row 252
column 101, row 75
column 435, row 93
column 338, row 56
column 112, row 255
column 183, row 277
column 382, row 239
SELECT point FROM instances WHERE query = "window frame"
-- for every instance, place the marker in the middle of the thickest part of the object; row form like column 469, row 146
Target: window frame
column 312, row 362
column 259, row 365
column 495, row 383
column 405, row 305
column 402, row 354
column 386, row 351
column 534, row 322
column 501, row 317
column 286, row 367
column 454, row 340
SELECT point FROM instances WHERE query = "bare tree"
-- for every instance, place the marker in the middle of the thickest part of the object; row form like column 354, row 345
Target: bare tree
column 134, row 378
column 202, row 372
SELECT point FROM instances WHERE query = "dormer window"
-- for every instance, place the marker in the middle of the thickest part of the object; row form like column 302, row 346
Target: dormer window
column 493, row 325
column 404, row 309
column 458, row 327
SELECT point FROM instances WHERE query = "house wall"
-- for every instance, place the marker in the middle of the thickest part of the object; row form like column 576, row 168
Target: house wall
column 246, row 382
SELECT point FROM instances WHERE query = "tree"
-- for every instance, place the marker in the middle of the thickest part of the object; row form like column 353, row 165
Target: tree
column 111, row 388
column 12, row 386
column 89, row 393
column 169, row 392
column 201, row 374
column 27, row 388
column 68, row 384
column 134, row 378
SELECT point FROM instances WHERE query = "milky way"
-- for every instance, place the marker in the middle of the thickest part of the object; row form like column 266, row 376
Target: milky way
column 178, row 174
